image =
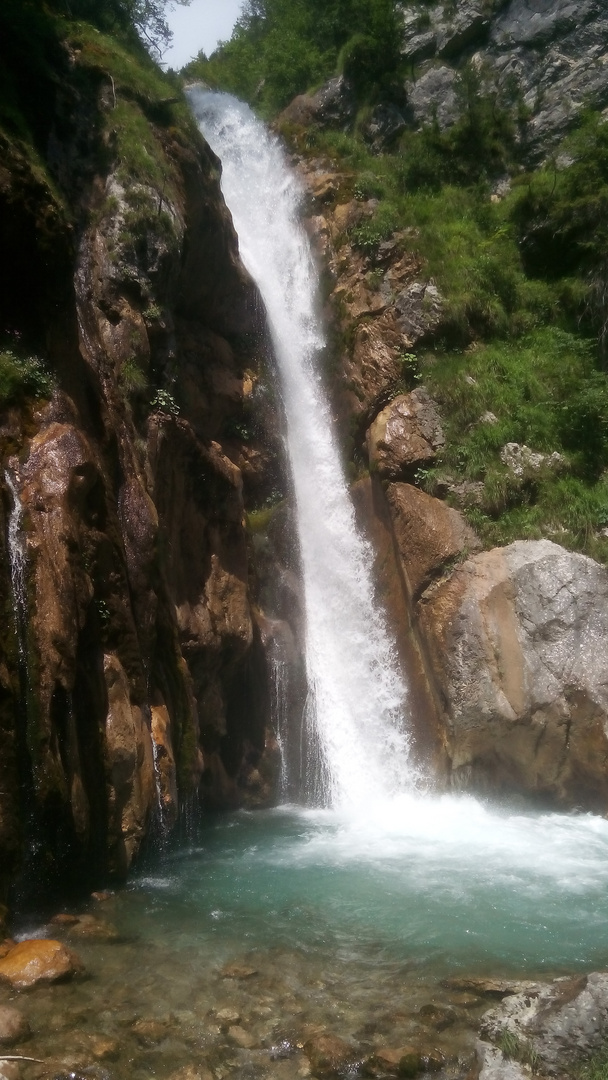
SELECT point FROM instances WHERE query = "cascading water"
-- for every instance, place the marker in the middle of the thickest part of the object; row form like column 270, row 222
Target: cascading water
column 357, row 747
column 17, row 559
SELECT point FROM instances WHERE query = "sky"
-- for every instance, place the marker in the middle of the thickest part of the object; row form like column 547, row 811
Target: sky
column 199, row 26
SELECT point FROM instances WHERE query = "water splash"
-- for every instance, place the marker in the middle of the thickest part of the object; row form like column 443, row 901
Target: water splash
column 357, row 701
column 18, row 564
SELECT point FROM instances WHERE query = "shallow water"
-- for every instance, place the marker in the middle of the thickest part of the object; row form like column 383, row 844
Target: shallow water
column 345, row 923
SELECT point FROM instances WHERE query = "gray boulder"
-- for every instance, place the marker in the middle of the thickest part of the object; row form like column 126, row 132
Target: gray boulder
column 561, row 1023
column 518, row 639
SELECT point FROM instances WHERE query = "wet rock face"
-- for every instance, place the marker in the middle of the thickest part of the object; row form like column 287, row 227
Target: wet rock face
column 134, row 670
column 33, row 963
column 517, row 637
column 551, row 54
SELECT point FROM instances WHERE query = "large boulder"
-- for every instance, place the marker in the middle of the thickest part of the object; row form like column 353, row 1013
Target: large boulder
column 334, row 105
column 405, row 435
column 430, row 536
column 517, row 638
column 37, row 962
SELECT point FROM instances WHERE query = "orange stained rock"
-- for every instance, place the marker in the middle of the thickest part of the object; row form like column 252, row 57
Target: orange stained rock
column 39, row 961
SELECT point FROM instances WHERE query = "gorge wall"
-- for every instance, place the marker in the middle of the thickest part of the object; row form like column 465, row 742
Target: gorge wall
column 132, row 674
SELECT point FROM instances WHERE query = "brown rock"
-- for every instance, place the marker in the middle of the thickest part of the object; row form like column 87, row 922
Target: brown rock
column 14, row 1027
column 430, row 535
column 492, row 988
column 329, row 1055
column 237, row 971
column 436, row 1016
column 87, row 926
column 6, row 946
column 35, row 962
column 102, row 897
column 404, row 436
column 404, row 1061
column 131, row 765
column 149, row 1032
column 63, row 919
column 104, row 1048
column 165, row 763
column 241, row 1037
column 193, row 1072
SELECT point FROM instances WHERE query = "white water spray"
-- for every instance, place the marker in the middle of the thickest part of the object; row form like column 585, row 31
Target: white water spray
column 18, row 563
column 357, row 698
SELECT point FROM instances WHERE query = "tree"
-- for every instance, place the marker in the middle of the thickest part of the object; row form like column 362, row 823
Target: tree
column 146, row 17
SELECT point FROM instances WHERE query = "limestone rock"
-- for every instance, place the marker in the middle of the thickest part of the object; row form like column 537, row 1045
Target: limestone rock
column 551, row 52
column 518, row 640
column 493, row 1065
column 334, row 105
column 385, row 124
column 405, row 435
column 14, row 1027
column 419, row 310
column 563, row 1022
column 468, row 26
column 36, row 962
column 434, row 94
column 430, row 535
column 520, row 459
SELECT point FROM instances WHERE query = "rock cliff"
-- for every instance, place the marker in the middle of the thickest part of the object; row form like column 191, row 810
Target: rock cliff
column 131, row 671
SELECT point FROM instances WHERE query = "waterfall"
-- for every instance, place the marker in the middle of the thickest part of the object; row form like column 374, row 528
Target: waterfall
column 357, row 747
column 18, row 562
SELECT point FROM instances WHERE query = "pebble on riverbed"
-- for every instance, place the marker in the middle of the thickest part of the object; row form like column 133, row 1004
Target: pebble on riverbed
column 13, row 1026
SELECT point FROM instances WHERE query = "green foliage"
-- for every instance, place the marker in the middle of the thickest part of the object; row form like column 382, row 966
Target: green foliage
column 23, row 377
column 518, row 1049
column 561, row 217
column 164, row 402
column 280, row 49
column 596, row 1068
column 132, row 379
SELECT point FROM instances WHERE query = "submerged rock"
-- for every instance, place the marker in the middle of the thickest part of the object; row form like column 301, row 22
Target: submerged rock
column 329, row 1056
column 14, row 1027
column 36, row 962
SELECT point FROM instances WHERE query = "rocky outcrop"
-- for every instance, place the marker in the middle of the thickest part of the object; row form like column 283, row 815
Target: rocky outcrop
column 554, row 1026
column 130, row 665
column 405, row 436
column 545, row 60
column 517, row 638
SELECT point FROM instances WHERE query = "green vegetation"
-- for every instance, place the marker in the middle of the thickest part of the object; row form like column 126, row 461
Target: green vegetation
column 22, row 377
column 596, row 1068
column 518, row 1049
column 280, row 48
